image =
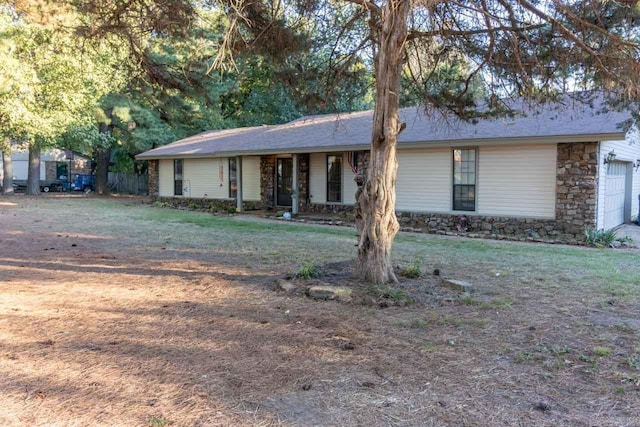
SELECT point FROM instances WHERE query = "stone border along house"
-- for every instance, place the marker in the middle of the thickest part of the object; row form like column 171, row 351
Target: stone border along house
column 545, row 175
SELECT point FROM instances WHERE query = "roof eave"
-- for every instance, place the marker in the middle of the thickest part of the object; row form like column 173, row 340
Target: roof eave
column 554, row 139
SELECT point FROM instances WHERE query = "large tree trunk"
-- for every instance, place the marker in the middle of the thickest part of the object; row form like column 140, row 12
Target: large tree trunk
column 33, row 177
column 103, row 157
column 7, row 172
column 375, row 212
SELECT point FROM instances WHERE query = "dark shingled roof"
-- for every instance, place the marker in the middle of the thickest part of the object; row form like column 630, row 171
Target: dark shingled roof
column 569, row 121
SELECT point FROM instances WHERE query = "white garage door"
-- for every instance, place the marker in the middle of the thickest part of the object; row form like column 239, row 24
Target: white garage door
column 614, row 194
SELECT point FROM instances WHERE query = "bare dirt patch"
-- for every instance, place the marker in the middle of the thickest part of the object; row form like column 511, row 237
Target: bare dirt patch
column 115, row 313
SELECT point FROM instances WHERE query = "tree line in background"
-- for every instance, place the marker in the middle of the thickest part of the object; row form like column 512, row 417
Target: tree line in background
column 113, row 96
column 67, row 82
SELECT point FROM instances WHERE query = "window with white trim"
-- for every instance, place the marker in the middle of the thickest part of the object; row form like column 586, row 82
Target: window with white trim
column 177, row 177
column 334, row 179
column 233, row 178
column 464, row 179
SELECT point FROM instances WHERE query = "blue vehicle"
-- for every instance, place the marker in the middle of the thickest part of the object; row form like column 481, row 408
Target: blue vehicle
column 83, row 182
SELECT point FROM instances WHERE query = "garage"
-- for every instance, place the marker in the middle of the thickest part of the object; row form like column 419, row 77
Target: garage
column 615, row 194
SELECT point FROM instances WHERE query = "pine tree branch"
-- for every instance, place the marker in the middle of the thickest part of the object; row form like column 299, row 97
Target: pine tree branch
column 463, row 33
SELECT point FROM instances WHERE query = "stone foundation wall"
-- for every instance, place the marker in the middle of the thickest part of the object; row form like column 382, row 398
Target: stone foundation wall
column 154, row 177
column 212, row 205
column 485, row 226
column 536, row 229
column 327, row 209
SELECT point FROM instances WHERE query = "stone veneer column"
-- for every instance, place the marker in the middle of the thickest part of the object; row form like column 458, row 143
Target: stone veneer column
column 154, row 177
column 576, row 185
column 303, row 181
column 267, row 181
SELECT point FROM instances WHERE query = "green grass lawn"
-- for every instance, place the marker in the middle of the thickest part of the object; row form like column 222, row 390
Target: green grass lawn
column 255, row 242
column 282, row 245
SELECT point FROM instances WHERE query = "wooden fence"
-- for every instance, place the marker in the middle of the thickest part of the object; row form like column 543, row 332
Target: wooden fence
column 128, row 183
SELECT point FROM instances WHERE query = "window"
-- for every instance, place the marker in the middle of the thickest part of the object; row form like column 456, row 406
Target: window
column 233, row 178
column 334, row 179
column 464, row 180
column 177, row 177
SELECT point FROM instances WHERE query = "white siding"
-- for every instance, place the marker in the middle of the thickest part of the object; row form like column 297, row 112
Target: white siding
column 626, row 151
column 206, row 178
column 424, row 180
column 517, row 181
column 20, row 169
column 165, row 178
column 318, row 177
column 209, row 178
column 511, row 181
column 251, row 178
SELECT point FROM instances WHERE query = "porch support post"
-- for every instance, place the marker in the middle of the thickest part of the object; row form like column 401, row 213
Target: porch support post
column 294, row 195
column 239, row 184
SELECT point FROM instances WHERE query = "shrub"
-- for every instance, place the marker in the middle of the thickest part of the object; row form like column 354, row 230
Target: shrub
column 412, row 271
column 308, row 270
column 599, row 238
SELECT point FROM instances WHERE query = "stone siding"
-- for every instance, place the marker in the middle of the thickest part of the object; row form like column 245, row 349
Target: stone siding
column 154, row 177
column 576, row 184
column 212, row 205
column 268, row 178
column 303, row 181
column 267, row 181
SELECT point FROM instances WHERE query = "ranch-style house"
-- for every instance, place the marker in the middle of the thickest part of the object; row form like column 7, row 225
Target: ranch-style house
column 547, row 173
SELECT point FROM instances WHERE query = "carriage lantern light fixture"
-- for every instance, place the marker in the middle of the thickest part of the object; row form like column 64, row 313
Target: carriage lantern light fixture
column 637, row 165
column 610, row 157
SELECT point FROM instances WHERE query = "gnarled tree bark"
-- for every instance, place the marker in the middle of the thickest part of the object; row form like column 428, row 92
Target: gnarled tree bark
column 375, row 212
column 33, row 176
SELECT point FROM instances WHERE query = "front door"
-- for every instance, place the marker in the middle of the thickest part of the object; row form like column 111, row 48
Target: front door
column 284, row 181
